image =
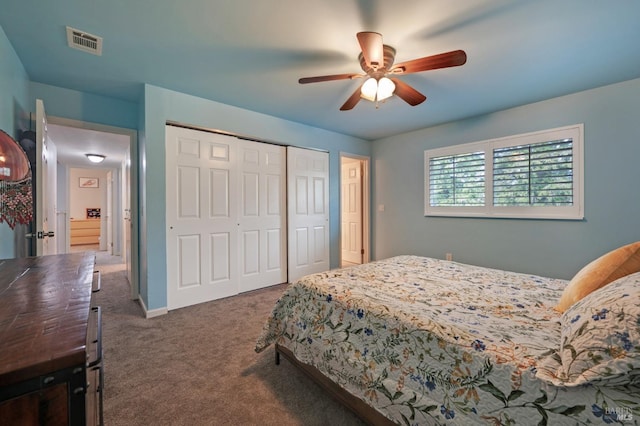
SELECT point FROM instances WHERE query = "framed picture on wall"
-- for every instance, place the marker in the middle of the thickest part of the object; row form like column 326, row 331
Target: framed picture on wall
column 88, row 182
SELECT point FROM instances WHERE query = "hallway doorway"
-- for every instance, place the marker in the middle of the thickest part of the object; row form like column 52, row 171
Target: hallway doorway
column 354, row 210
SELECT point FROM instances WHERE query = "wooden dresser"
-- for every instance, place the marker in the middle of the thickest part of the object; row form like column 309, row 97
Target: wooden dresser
column 50, row 341
column 85, row 231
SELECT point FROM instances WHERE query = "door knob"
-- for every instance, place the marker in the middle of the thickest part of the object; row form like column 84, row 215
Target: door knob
column 40, row 235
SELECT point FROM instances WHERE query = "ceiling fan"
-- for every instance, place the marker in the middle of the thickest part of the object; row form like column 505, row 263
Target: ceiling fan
column 376, row 60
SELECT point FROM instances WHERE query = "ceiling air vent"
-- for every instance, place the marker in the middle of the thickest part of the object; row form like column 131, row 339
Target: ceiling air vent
column 84, row 41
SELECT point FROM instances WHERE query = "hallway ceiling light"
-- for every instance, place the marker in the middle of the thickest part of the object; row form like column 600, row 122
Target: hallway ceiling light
column 95, row 158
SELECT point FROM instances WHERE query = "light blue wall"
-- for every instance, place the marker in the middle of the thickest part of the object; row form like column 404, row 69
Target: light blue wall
column 75, row 105
column 551, row 248
column 14, row 95
column 163, row 105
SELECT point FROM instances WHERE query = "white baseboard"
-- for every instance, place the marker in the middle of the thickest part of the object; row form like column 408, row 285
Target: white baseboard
column 154, row 312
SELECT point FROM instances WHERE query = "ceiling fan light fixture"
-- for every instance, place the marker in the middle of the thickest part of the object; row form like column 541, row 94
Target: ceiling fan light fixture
column 377, row 90
column 386, row 87
column 369, row 89
column 96, row 158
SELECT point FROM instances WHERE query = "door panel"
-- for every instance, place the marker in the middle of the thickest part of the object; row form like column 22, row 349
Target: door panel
column 189, row 261
column 251, row 251
column 225, row 216
column 188, row 192
column 274, row 250
column 301, row 195
column 320, row 195
column 301, row 244
column 351, row 211
column 320, row 233
column 126, row 204
column 308, row 218
column 262, row 223
column 202, row 231
column 220, row 268
column 250, row 203
column 108, row 220
column 219, row 196
column 45, row 217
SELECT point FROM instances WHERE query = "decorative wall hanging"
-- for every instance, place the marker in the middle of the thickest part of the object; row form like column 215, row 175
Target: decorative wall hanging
column 16, row 197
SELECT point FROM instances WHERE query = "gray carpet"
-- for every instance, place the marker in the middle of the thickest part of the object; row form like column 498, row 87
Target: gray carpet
column 197, row 365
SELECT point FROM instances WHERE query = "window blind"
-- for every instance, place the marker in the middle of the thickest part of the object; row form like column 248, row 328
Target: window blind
column 457, row 180
column 539, row 174
column 535, row 175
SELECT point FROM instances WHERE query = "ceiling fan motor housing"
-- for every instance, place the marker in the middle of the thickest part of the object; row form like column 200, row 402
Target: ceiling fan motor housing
column 389, row 54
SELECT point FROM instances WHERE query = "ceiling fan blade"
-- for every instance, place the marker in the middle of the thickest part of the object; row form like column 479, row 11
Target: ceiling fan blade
column 408, row 93
column 352, row 101
column 372, row 50
column 444, row 60
column 318, row 79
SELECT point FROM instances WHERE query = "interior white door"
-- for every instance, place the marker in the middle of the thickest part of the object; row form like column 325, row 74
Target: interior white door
column 62, row 244
column 45, row 216
column 201, row 217
column 308, row 211
column 351, row 211
column 126, row 217
column 108, row 220
column 262, row 215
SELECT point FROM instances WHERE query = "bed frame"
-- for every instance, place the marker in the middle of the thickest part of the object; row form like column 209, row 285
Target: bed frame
column 367, row 413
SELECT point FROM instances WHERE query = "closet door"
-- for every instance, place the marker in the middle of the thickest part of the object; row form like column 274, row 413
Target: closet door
column 262, row 215
column 201, row 215
column 308, row 211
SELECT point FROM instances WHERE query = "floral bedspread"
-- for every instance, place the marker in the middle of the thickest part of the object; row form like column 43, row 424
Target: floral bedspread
column 428, row 341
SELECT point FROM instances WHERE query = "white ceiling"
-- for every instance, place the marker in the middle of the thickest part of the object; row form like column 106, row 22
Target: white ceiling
column 251, row 53
column 72, row 145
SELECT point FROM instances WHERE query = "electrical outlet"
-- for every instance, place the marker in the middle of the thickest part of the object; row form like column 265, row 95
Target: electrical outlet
column 449, row 256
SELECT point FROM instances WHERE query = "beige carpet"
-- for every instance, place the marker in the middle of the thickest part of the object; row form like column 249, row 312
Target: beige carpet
column 197, row 365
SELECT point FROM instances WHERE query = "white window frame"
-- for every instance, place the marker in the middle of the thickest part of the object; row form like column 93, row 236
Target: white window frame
column 573, row 212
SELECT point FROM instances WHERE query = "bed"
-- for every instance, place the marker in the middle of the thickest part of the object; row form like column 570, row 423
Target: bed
column 415, row 340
